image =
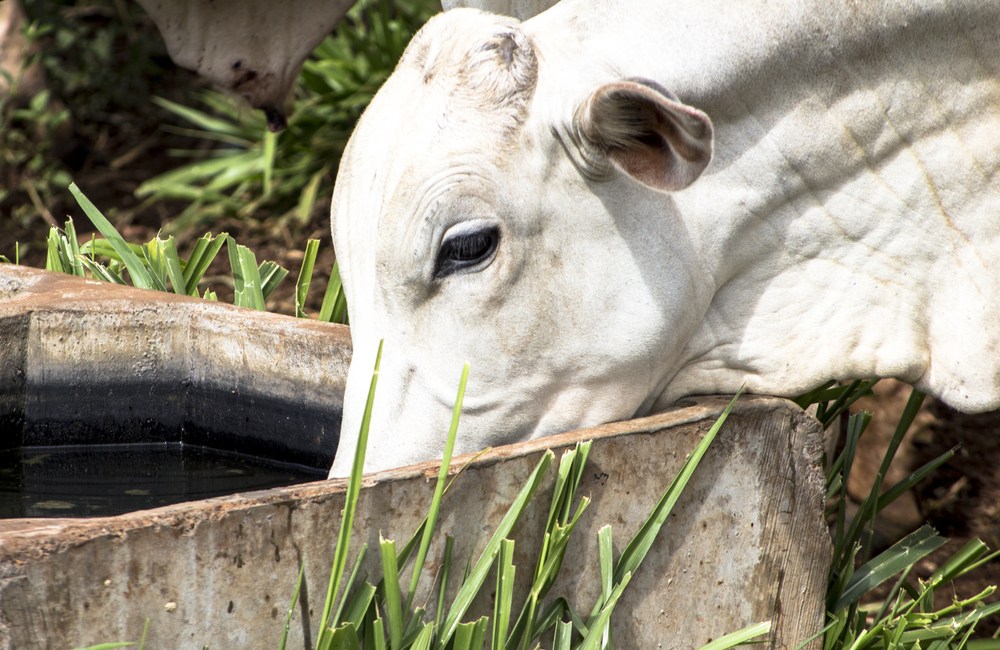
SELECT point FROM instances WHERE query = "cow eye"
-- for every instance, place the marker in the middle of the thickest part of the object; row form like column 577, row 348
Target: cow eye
column 466, row 250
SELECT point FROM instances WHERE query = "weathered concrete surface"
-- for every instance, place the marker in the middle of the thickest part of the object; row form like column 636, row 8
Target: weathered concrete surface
column 746, row 543
column 85, row 361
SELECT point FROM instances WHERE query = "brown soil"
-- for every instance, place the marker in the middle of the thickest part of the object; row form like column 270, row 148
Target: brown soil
column 961, row 499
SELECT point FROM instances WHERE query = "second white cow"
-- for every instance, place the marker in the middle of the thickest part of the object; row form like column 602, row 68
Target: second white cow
column 615, row 204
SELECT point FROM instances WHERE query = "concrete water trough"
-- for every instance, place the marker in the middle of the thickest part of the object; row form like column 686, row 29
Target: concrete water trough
column 80, row 360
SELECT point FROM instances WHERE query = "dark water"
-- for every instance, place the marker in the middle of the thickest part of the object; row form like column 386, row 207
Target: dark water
column 103, row 480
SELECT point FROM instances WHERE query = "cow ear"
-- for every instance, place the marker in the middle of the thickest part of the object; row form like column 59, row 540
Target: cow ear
column 645, row 131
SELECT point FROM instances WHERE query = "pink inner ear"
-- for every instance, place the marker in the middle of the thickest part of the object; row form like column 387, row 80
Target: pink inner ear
column 660, row 142
column 648, row 165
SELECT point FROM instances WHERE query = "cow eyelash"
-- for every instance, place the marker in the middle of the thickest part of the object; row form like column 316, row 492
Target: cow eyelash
column 466, row 251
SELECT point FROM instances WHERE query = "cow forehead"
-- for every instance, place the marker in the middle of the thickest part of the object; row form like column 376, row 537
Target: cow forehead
column 455, row 106
column 480, row 61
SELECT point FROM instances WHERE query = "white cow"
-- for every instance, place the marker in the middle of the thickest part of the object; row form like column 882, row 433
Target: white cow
column 615, row 204
column 255, row 48
column 251, row 48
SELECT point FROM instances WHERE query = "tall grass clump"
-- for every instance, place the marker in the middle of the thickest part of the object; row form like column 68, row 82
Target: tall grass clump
column 904, row 615
column 158, row 265
column 381, row 613
column 250, row 168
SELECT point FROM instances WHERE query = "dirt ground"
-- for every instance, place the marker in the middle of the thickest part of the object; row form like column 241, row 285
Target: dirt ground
column 961, row 499
column 108, row 161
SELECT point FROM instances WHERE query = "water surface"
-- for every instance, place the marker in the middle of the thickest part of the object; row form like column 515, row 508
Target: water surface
column 103, row 480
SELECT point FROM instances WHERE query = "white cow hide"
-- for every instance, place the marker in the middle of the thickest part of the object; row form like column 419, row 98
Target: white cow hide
column 251, row 48
column 616, row 204
column 520, row 9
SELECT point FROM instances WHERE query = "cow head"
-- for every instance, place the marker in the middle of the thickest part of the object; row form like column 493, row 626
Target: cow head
column 488, row 211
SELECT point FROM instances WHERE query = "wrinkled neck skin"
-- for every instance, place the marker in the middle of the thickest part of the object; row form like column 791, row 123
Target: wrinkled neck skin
column 850, row 215
column 847, row 227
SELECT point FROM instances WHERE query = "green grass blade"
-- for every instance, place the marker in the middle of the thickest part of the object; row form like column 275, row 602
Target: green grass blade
column 558, row 528
column 637, row 548
column 424, row 639
column 305, row 277
column 393, row 601
column 865, row 517
column 414, row 627
column 563, row 637
column 239, row 277
column 215, row 173
column 54, row 261
column 103, row 248
column 200, row 118
column 291, row 608
column 202, row 256
column 606, row 560
column 845, row 399
column 557, row 611
column 271, row 275
column 478, row 573
column 605, row 551
column 504, row 595
column 268, row 156
column 378, row 634
column 241, row 171
column 968, row 556
column 739, row 637
column 73, row 249
column 595, row 636
column 307, row 200
column 152, row 256
column 435, row 507
column 468, row 636
column 561, row 492
column 334, row 306
column 247, row 287
column 558, row 541
column 141, row 277
column 173, row 263
column 449, row 544
column 360, row 603
column 913, row 479
column 479, row 633
column 344, row 638
column 856, row 425
column 108, row 646
column 362, row 552
column 898, row 557
column 101, row 272
column 351, row 498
